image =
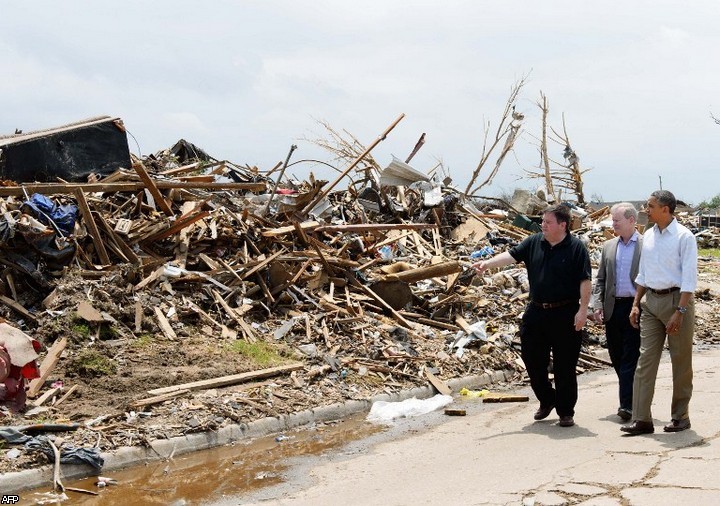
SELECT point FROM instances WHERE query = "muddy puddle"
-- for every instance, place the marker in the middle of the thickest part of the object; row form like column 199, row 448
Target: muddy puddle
column 210, row 475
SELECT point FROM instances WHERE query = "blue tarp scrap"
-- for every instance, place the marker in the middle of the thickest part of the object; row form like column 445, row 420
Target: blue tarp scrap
column 63, row 216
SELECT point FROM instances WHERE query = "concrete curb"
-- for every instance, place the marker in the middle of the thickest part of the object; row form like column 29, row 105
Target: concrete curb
column 161, row 449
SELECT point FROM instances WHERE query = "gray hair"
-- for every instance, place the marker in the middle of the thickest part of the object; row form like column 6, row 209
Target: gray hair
column 627, row 209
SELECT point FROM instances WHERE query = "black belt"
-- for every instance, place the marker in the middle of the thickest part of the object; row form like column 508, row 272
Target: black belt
column 664, row 291
column 623, row 299
column 552, row 305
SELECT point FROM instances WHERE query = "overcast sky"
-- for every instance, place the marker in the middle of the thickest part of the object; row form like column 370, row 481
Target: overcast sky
column 637, row 81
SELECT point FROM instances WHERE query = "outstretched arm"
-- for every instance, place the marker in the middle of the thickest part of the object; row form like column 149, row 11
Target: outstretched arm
column 500, row 260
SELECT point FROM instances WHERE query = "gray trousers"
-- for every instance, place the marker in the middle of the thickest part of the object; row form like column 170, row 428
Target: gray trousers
column 656, row 311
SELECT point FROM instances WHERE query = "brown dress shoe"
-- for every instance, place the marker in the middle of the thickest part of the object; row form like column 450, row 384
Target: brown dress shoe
column 638, row 427
column 677, row 425
column 543, row 412
column 566, row 421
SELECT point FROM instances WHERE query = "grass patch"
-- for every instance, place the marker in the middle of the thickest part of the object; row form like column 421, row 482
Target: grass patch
column 80, row 328
column 709, row 252
column 142, row 341
column 90, row 363
column 261, row 353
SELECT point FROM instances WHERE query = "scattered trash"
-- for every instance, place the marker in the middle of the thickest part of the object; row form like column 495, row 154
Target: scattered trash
column 474, row 393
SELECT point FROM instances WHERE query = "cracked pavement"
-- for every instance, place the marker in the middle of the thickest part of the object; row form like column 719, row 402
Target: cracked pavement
column 497, row 455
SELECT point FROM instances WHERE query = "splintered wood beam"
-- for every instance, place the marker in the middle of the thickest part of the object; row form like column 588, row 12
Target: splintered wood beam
column 357, row 160
column 154, row 191
column 375, row 227
column 181, row 223
column 432, row 271
column 149, row 401
column 69, row 188
column 18, row 307
column 262, row 264
column 92, row 227
column 164, row 324
column 305, row 225
column 48, row 364
column 232, row 379
column 380, row 301
column 127, row 251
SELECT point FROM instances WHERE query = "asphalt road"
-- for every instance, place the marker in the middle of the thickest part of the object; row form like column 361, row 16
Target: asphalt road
column 497, row 455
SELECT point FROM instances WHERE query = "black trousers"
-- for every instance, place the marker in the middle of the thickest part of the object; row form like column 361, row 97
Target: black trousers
column 552, row 331
column 623, row 342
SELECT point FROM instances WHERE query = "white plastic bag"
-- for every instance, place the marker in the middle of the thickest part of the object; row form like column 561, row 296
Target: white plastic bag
column 382, row 411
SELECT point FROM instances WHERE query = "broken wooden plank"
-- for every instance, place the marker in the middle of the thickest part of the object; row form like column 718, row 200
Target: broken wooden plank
column 48, row 364
column 421, row 273
column 127, row 251
column 92, row 227
column 374, row 227
column 439, row 384
column 154, row 191
column 232, row 379
column 67, row 395
column 593, row 358
column 69, row 188
column 164, row 324
column 44, row 397
column 500, row 397
column 305, row 225
column 180, row 223
column 357, row 160
column 18, row 307
column 157, row 399
column 138, row 316
column 261, row 265
column 88, row 313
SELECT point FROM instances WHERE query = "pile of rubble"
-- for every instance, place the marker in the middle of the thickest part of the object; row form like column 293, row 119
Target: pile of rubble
column 182, row 293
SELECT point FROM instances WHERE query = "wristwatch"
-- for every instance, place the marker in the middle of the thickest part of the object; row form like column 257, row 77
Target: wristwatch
column 681, row 309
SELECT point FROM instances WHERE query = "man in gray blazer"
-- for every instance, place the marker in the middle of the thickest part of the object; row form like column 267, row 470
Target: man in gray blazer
column 613, row 294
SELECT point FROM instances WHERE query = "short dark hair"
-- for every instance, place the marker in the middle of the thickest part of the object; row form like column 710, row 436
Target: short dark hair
column 562, row 214
column 665, row 198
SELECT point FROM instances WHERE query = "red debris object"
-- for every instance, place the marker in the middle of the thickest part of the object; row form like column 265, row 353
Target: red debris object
column 18, row 353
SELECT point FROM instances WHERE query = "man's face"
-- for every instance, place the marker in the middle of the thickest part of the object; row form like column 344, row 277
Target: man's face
column 622, row 225
column 552, row 230
column 654, row 209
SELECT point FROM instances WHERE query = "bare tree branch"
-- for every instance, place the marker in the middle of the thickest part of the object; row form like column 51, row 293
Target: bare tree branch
column 507, row 130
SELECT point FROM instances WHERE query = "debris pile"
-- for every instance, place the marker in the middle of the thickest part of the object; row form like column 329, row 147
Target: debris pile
column 155, row 286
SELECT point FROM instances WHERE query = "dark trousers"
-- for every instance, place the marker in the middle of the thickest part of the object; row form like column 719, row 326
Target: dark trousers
column 546, row 331
column 623, row 342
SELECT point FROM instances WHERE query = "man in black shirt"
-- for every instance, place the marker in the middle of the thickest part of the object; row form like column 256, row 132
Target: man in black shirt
column 560, row 275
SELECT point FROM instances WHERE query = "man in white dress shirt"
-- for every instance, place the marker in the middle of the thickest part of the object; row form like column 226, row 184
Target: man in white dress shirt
column 667, row 277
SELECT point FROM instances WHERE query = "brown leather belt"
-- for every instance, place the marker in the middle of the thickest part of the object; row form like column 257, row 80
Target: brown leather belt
column 664, row 291
column 552, row 305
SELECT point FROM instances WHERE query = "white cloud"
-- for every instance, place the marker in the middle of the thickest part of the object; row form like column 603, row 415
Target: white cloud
column 244, row 80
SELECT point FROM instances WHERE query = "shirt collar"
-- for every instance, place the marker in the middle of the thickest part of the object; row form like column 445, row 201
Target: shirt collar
column 671, row 229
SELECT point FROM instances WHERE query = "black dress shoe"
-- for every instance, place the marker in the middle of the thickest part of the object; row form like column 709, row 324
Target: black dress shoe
column 566, row 421
column 677, row 425
column 543, row 412
column 625, row 414
column 638, row 427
